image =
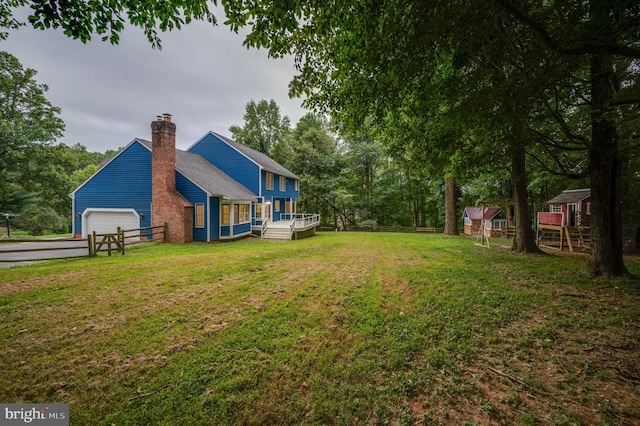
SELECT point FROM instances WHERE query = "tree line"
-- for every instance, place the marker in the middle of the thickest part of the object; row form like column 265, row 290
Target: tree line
column 38, row 174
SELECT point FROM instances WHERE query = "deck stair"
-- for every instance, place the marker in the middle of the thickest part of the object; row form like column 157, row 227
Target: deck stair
column 277, row 233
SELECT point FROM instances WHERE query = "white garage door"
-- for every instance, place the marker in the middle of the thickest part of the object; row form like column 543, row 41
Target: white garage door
column 107, row 221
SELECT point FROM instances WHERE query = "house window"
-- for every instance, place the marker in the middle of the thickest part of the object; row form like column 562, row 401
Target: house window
column 288, row 207
column 588, row 208
column 241, row 213
column 199, row 215
column 269, row 181
column 297, row 183
column 276, row 206
column 259, row 211
column 467, row 220
column 283, row 183
column 556, row 208
column 225, row 214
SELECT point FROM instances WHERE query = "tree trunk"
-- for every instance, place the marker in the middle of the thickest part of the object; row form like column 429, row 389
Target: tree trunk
column 367, row 188
column 606, row 258
column 450, row 211
column 524, row 240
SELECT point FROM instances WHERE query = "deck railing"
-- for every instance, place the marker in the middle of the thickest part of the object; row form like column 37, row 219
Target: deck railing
column 551, row 218
column 302, row 220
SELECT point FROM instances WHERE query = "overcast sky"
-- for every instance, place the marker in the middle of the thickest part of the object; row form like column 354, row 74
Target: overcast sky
column 109, row 95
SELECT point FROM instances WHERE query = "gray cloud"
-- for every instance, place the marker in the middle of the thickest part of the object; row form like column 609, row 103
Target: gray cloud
column 110, row 94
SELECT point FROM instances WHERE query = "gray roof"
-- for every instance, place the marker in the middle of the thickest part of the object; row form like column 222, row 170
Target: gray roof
column 264, row 161
column 208, row 177
column 571, row 196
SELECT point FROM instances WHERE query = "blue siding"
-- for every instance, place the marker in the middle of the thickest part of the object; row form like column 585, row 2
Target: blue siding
column 123, row 183
column 271, row 194
column 242, row 228
column 214, row 219
column 229, row 160
column 225, row 231
column 195, row 196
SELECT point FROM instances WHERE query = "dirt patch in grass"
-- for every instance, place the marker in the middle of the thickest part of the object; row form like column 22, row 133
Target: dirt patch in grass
column 556, row 369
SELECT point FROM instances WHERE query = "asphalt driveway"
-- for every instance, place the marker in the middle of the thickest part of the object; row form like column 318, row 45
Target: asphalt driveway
column 45, row 251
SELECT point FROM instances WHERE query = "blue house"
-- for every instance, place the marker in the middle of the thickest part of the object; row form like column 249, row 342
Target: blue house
column 218, row 189
column 276, row 188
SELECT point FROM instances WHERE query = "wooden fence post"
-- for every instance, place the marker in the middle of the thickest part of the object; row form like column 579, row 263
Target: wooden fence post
column 95, row 244
column 120, row 238
column 165, row 233
column 89, row 239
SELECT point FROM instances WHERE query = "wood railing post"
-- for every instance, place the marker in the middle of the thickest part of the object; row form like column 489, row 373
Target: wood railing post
column 89, row 240
column 121, row 240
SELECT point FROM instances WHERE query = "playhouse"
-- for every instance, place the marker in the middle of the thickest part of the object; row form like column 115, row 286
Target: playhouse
column 493, row 220
column 567, row 219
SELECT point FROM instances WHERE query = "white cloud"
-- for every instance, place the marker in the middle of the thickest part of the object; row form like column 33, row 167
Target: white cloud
column 109, row 95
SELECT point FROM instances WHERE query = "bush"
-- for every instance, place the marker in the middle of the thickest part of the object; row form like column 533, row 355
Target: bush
column 369, row 224
column 36, row 218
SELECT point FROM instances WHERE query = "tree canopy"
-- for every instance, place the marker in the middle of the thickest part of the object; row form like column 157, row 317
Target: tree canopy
column 500, row 68
column 83, row 19
column 27, row 120
column 264, row 127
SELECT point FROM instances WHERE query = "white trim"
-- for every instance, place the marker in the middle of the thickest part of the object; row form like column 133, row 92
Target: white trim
column 232, row 237
column 73, row 214
column 86, row 212
column 208, row 219
column 220, row 218
column 234, row 213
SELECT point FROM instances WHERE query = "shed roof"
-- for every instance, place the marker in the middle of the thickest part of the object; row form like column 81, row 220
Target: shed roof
column 208, row 177
column 570, row 196
column 263, row 160
column 475, row 213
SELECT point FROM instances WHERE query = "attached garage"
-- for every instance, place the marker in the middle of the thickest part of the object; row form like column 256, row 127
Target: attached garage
column 106, row 221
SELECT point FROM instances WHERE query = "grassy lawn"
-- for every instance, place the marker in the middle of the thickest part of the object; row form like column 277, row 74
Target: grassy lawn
column 342, row 328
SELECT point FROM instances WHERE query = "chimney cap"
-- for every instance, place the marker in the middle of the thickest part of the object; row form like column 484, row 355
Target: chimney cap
column 166, row 116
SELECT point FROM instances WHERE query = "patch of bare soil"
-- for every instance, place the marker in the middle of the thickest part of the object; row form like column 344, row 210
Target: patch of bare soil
column 573, row 368
column 569, row 372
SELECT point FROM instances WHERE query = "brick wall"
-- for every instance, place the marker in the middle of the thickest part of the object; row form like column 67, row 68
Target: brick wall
column 168, row 205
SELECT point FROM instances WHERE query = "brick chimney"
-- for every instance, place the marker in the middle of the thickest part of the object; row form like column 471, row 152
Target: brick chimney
column 169, row 206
